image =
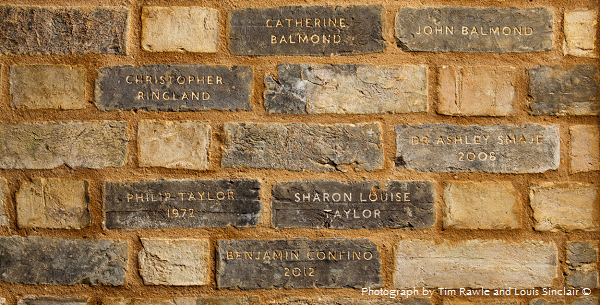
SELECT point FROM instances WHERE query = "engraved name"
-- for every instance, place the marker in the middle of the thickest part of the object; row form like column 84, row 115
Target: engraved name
column 307, row 23
column 298, row 255
column 174, row 80
column 474, row 30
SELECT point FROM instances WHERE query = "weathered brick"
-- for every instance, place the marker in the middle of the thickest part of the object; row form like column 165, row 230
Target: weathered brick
column 53, row 203
column 540, row 301
column 588, row 300
column 346, row 89
column 47, row 86
column 253, row 300
column 477, row 91
column 60, row 31
column 586, row 277
column 3, row 202
column 180, row 29
column 585, row 148
column 582, row 252
column 173, row 144
column 95, row 144
column 474, row 263
column 397, row 299
column 564, row 206
column 179, row 262
column 582, row 258
column 299, row 147
column 555, row 90
column 481, row 205
column 58, row 261
column 580, row 33
column 51, row 300
column 481, row 302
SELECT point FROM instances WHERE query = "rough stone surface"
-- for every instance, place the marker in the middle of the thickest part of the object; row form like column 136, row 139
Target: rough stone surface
column 530, row 148
column 47, row 86
column 53, row 203
column 493, row 264
column 4, row 191
column 174, row 87
column 482, row 91
column 298, row 263
column 564, row 206
column 583, row 279
column 173, row 144
column 180, row 29
column 585, row 148
column 58, row 261
column 181, row 204
column 253, row 300
column 582, row 258
column 49, row 300
column 300, row 147
column 540, row 301
column 580, row 33
column 393, row 300
column 313, row 30
column 481, row 205
column 555, row 90
column 60, row 31
column 346, row 89
column 179, row 262
column 474, row 29
column 92, row 144
column 337, row 205
column 582, row 252
column 589, row 300
column 481, row 302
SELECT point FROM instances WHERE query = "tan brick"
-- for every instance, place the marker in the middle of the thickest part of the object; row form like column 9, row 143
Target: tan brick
column 173, row 144
column 481, row 302
column 53, row 203
column 580, row 33
column 180, row 29
column 481, row 205
column 585, row 148
column 3, row 201
column 253, row 300
column 477, row 91
column 565, row 206
column 52, row 300
column 47, row 86
column 492, row 264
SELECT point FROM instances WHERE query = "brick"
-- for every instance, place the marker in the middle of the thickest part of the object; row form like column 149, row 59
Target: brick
column 47, row 86
column 583, row 278
column 174, row 262
column 300, row 147
column 582, row 252
column 530, row 148
column 333, row 30
column 177, row 87
column 479, row 302
column 397, row 299
column 253, row 300
column 580, row 33
column 493, row 264
column 180, row 29
column 540, row 301
column 474, row 29
column 58, row 261
column 564, row 206
column 53, row 203
column 163, row 203
column 481, row 205
column 4, row 191
column 50, row 300
column 555, row 90
column 582, row 258
column 346, row 89
column 44, row 145
column 61, row 31
column 585, row 148
column 2, row 301
column 477, row 91
column 173, row 144
column 298, row 263
column 589, row 300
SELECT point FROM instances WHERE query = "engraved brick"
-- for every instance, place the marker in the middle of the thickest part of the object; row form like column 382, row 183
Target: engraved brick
column 477, row 91
column 47, row 86
column 51, row 300
column 60, row 31
column 179, row 262
column 474, row 29
column 178, row 87
column 355, row 205
column 58, row 261
column 300, row 147
column 530, row 148
column 173, row 144
column 396, row 300
column 95, row 144
column 481, row 205
column 181, row 204
column 346, row 89
column 564, row 206
column 585, row 148
column 180, row 29
column 53, row 203
column 298, row 263
column 307, row 30
column 580, row 33
column 555, row 90
column 473, row 263
column 253, row 300
column 4, row 191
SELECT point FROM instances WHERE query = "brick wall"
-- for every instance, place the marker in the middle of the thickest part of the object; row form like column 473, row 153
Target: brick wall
column 183, row 152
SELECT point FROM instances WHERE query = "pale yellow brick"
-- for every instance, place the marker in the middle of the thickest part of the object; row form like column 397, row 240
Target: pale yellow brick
column 580, row 33
column 47, row 86
column 585, row 148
